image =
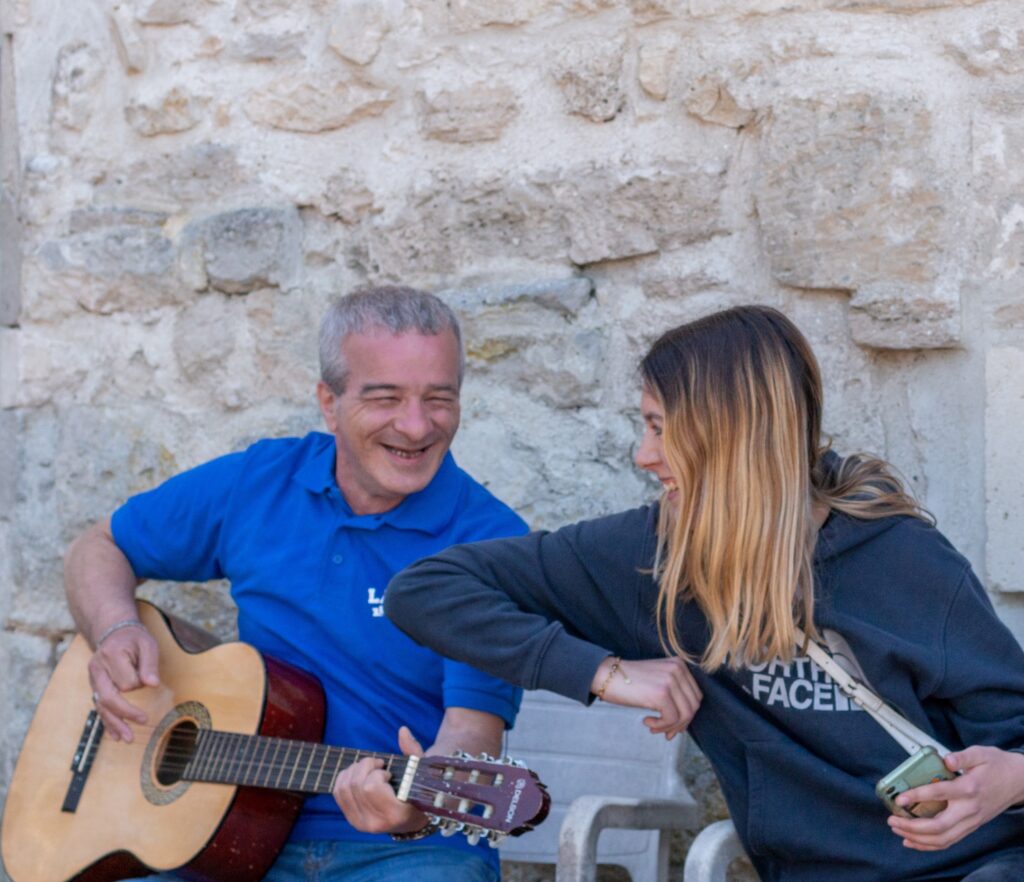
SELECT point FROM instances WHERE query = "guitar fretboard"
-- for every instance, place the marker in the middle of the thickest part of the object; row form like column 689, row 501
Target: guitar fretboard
column 275, row 763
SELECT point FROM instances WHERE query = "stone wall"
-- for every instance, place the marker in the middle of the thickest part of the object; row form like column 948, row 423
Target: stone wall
column 186, row 182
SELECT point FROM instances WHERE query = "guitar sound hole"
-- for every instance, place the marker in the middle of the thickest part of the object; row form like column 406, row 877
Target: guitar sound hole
column 178, row 749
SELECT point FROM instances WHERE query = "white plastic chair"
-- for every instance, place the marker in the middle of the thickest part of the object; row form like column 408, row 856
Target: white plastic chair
column 595, row 761
column 715, row 847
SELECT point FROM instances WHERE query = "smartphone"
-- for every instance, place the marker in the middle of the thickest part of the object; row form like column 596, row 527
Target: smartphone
column 923, row 767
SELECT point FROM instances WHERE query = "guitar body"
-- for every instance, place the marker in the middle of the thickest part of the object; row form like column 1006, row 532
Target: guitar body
column 125, row 820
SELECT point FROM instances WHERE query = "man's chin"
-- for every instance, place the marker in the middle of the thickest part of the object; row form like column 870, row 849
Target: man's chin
column 408, row 478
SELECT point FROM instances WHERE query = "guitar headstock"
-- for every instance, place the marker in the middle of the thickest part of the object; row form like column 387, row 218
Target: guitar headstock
column 483, row 797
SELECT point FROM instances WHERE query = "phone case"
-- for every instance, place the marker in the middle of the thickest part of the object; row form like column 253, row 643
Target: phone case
column 924, row 767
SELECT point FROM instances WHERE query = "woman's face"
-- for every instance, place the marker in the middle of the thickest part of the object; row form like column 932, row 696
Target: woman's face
column 651, row 454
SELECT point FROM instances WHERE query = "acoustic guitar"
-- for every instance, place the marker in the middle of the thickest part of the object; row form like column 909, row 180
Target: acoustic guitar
column 211, row 786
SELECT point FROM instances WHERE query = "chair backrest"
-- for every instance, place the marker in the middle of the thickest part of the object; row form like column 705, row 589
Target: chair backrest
column 599, row 750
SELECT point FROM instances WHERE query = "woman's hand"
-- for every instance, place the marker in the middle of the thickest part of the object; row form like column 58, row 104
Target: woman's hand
column 991, row 782
column 663, row 685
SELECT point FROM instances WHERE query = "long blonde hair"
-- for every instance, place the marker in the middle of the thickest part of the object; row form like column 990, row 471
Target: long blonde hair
column 742, row 397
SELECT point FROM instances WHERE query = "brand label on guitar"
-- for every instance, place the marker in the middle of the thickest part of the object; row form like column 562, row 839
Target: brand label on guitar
column 511, row 813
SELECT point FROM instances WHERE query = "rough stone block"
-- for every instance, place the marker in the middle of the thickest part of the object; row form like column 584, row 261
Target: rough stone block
column 741, row 8
column 654, row 67
column 204, row 338
column 648, row 11
column 167, row 12
column 711, row 101
column 358, row 30
column 847, row 193
column 997, row 221
column 256, row 46
column 472, row 113
column 900, row 6
column 198, row 174
column 586, row 214
column 468, row 15
column 78, row 72
column 111, row 253
column 986, row 50
column 589, row 73
column 239, row 251
column 1004, row 478
column 177, row 110
column 893, row 316
column 46, row 364
column 567, row 296
column 110, row 268
column 29, row 662
column 131, row 45
column 313, row 105
column 345, row 195
column 615, row 213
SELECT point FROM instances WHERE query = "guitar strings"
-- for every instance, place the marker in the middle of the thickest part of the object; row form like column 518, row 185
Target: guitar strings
column 180, row 757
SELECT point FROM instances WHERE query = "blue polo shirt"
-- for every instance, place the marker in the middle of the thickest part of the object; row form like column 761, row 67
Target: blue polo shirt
column 308, row 577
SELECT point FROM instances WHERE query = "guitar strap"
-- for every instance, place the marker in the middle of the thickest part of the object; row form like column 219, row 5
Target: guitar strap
column 906, row 734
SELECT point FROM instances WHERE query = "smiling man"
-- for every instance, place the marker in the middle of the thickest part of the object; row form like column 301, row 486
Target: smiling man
column 309, row 531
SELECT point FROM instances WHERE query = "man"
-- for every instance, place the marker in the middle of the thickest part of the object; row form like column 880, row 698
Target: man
column 309, row 532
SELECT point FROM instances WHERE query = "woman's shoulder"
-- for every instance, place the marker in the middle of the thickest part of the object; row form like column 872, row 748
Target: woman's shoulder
column 896, row 552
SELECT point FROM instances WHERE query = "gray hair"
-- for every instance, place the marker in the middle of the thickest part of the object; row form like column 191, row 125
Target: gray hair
column 392, row 308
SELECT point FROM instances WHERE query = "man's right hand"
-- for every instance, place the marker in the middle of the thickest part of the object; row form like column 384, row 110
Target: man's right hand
column 126, row 660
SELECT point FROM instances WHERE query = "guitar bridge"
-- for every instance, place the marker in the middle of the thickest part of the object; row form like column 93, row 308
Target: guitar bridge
column 85, row 753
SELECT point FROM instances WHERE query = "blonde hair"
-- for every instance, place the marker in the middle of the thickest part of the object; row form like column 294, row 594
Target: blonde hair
column 742, row 397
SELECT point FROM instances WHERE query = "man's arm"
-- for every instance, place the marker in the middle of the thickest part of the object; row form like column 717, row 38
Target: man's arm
column 364, row 793
column 100, row 586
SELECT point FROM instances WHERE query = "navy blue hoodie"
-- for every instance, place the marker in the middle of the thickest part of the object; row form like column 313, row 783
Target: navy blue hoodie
column 796, row 762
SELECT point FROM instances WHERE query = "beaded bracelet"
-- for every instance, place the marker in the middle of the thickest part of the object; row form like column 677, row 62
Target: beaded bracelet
column 429, row 829
column 616, row 668
column 117, row 626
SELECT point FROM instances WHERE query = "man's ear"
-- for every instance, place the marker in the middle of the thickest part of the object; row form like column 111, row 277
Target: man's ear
column 327, row 400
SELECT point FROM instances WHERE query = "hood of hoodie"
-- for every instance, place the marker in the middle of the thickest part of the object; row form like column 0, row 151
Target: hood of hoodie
column 842, row 533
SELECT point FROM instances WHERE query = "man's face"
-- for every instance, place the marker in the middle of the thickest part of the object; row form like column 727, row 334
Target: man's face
column 397, row 416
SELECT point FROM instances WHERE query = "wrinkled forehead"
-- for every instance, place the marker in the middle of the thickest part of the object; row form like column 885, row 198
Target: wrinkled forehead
column 406, row 360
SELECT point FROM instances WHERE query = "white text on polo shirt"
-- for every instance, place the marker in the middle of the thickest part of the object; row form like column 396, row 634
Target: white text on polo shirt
column 376, row 603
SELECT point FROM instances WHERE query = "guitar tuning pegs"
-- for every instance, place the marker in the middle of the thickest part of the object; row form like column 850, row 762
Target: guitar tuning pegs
column 486, row 758
column 473, row 838
column 494, row 838
column 448, row 829
column 461, row 754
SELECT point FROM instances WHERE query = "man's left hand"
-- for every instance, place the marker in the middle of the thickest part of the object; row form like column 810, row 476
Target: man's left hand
column 992, row 781
column 367, row 799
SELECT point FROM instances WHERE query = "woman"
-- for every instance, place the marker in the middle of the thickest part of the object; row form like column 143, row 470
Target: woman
column 761, row 529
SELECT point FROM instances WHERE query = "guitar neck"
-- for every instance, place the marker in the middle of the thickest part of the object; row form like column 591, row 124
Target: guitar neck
column 274, row 763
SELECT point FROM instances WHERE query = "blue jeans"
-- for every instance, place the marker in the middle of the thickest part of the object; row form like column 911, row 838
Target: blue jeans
column 328, row 861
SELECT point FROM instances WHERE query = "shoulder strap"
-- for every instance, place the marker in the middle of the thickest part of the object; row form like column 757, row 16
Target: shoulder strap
column 906, row 734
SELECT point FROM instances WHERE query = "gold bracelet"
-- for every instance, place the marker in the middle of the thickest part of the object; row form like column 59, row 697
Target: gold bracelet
column 616, row 668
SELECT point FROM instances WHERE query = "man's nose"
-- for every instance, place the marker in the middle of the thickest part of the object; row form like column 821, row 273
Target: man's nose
column 413, row 421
